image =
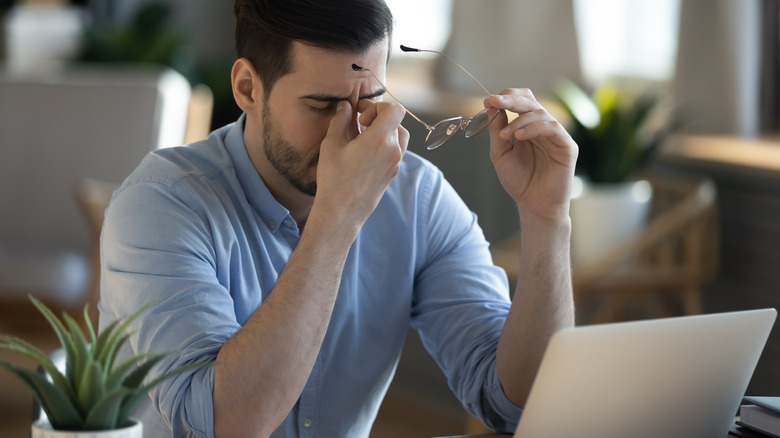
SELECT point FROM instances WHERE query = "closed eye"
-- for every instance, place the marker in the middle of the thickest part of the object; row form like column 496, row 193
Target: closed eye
column 322, row 110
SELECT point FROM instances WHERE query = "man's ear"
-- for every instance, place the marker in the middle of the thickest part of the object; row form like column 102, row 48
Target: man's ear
column 247, row 88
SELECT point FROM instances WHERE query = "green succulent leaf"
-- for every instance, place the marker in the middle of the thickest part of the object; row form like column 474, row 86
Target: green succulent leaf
column 81, row 350
column 90, row 330
column 136, row 378
column 65, row 338
column 102, row 341
column 610, row 128
column 117, row 338
column 12, row 343
column 105, row 412
column 118, row 373
column 92, row 388
column 58, row 406
column 132, row 401
column 92, row 394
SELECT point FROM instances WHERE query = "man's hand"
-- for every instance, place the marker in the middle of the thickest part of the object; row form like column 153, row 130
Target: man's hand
column 533, row 155
column 534, row 158
column 355, row 168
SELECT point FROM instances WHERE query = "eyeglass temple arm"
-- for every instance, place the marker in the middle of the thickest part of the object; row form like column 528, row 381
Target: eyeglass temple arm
column 412, row 49
column 356, row 67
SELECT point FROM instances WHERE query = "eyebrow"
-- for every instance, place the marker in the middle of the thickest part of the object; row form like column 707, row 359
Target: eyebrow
column 332, row 98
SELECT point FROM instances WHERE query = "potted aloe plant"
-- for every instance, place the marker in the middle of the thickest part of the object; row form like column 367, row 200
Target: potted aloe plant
column 96, row 394
column 618, row 133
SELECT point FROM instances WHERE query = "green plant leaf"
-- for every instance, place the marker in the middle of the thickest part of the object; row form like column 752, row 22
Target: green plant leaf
column 81, row 350
column 92, row 388
column 620, row 144
column 62, row 413
column 102, row 341
column 92, row 394
column 118, row 373
column 105, row 413
column 111, row 357
column 15, row 344
column 90, row 331
column 136, row 378
column 116, row 338
column 65, row 338
column 577, row 104
column 132, row 401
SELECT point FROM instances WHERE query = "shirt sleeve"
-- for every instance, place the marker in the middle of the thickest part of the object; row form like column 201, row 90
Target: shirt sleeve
column 461, row 300
column 157, row 249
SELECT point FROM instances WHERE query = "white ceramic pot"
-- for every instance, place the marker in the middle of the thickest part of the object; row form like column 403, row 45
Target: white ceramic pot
column 605, row 215
column 42, row 429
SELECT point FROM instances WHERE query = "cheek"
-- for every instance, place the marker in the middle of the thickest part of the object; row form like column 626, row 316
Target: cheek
column 309, row 133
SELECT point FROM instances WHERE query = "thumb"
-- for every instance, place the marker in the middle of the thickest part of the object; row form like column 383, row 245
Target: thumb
column 340, row 124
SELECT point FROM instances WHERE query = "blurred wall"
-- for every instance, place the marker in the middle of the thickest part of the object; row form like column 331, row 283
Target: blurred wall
column 512, row 43
column 208, row 24
column 717, row 83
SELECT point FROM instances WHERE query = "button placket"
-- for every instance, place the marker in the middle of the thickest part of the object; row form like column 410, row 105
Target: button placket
column 308, row 406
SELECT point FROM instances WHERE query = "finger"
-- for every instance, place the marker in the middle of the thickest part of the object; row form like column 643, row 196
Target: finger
column 383, row 117
column 498, row 123
column 540, row 129
column 403, row 138
column 513, row 99
column 370, row 111
column 365, row 104
column 524, row 119
column 340, row 128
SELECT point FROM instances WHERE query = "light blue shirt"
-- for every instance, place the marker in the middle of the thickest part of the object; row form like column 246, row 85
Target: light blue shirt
column 195, row 231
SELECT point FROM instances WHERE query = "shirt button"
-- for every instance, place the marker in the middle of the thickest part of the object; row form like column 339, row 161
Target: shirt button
column 307, row 423
column 288, row 222
column 272, row 225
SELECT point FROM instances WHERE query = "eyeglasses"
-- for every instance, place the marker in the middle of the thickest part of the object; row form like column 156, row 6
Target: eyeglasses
column 444, row 130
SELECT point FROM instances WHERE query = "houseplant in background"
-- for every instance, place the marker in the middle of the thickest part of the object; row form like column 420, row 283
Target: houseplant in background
column 95, row 395
column 618, row 132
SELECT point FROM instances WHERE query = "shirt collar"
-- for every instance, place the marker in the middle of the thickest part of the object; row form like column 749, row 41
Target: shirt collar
column 260, row 198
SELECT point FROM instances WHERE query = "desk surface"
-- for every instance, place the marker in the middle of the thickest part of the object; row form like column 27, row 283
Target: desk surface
column 484, row 435
column 734, row 431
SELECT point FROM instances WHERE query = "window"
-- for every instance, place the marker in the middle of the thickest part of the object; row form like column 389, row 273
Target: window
column 422, row 24
column 619, row 38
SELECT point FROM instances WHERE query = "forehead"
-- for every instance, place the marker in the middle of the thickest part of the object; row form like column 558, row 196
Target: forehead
column 318, row 69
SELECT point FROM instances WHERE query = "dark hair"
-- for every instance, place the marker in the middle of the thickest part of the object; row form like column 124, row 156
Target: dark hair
column 265, row 30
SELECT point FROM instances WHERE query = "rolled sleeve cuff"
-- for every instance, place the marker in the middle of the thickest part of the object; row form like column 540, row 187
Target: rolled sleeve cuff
column 197, row 418
column 501, row 415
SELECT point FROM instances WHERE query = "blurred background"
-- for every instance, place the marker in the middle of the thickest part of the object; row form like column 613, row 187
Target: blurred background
column 682, row 96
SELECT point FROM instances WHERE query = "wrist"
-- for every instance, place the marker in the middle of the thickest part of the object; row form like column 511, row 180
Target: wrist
column 555, row 219
column 333, row 225
column 548, row 231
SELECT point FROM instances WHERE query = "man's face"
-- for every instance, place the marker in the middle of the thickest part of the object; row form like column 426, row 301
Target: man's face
column 296, row 116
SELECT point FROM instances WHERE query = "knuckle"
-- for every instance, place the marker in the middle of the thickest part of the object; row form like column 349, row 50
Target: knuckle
column 541, row 113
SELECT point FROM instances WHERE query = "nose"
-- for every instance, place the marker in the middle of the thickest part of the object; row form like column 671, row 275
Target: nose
column 354, row 124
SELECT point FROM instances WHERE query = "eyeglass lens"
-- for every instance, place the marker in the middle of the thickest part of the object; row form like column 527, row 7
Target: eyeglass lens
column 446, row 129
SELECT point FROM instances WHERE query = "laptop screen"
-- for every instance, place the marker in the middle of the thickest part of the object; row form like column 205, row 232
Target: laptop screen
column 671, row 377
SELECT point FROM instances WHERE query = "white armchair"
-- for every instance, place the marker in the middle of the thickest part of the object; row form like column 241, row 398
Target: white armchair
column 87, row 122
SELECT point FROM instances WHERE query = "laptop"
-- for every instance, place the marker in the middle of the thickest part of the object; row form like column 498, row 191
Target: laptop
column 672, row 377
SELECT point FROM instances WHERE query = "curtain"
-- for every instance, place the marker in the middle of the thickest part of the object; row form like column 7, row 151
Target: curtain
column 717, row 82
column 511, row 43
column 770, row 67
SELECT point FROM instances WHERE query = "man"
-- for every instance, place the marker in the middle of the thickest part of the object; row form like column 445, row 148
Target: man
column 296, row 245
